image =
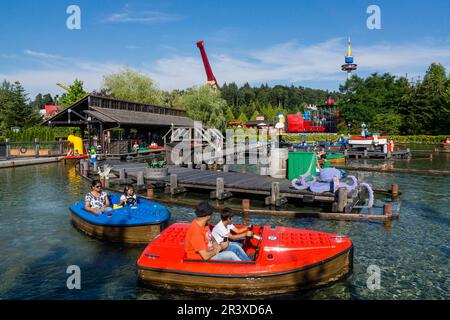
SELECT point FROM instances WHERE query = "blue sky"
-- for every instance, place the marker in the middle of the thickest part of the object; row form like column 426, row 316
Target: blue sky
column 277, row 42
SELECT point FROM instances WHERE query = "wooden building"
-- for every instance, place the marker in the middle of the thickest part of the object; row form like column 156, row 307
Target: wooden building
column 117, row 123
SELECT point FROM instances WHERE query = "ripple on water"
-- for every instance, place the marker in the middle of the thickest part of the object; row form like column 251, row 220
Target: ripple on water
column 37, row 243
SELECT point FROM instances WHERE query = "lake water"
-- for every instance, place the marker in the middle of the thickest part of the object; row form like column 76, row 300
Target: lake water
column 38, row 243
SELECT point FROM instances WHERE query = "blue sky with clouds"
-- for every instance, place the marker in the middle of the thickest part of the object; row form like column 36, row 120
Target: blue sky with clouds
column 277, row 42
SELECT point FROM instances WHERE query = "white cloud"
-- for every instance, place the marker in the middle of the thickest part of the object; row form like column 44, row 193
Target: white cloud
column 283, row 63
column 143, row 17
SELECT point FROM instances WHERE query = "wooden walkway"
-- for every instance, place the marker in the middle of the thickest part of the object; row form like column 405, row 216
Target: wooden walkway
column 224, row 184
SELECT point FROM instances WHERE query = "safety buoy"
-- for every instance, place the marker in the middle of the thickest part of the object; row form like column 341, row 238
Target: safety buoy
column 23, row 150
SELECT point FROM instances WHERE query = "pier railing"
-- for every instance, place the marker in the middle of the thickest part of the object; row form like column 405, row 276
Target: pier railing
column 22, row 149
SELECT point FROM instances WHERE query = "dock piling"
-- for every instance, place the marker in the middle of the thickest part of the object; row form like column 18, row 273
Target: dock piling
column 36, row 148
column 122, row 177
column 150, row 193
column 387, row 209
column 220, row 193
column 140, row 180
column 342, row 194
column 245, row 204
column 275, row 197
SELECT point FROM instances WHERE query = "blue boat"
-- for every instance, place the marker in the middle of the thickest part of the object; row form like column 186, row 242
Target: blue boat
column 138, row 224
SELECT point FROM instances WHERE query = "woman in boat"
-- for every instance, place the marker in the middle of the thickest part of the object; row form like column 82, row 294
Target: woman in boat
column 128, row 197
column 96, row 201
column 199, row 244
column 222, row 232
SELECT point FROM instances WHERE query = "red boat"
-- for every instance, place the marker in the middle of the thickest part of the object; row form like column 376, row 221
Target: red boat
column 81, row 156
column 285, row 260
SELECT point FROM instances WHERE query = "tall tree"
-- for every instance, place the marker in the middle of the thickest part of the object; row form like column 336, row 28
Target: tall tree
column 205, row 105
column 75, row 93
column 15, row 111
column 131, row 85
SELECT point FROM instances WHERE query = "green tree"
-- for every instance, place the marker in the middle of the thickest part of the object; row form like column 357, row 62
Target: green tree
column 205, row 105
column 255, row 114
column 242, row 118
column 131, row 85
column 229, row 116
column 75, row 93
column 386, row 123
column 15, row 111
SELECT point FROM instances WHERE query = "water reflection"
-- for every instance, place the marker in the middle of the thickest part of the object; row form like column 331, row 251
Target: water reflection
column 38, row 243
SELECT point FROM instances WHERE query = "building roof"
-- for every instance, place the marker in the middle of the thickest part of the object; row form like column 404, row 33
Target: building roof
column 113, row 111
column 136, row 117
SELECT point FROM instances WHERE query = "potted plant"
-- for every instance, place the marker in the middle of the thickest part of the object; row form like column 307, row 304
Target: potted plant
column 157, row 168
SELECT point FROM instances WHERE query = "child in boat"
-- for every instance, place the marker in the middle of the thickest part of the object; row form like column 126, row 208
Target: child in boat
column 96, row 201
column 223, row 231
column 128, row 197
column 199, row 244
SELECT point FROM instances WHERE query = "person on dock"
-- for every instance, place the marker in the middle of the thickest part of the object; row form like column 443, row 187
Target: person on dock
column 225, row 230
column 199, row 244
column 128, row 198
column 96, row 201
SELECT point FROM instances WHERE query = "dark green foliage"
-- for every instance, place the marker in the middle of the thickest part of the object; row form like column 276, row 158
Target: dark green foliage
column 15, row 111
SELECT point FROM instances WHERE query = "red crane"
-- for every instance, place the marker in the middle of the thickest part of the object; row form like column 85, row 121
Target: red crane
column 209, row 74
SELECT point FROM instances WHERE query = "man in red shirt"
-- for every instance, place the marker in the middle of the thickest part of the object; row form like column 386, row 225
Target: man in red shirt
column 199, row 242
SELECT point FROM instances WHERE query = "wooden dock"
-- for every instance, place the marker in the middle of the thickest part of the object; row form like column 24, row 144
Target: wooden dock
column 222, row 185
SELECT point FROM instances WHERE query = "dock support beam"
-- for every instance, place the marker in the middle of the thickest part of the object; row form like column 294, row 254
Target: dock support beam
column 173, row 188
column 341, row 203
column 245, row 204
column 8, row 149
column 220, row 193
column 275, row 197
column 36, row 148
column 140, row 180
column 122, row 177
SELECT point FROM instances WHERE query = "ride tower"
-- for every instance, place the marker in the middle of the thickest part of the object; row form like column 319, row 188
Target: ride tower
column 349, row 64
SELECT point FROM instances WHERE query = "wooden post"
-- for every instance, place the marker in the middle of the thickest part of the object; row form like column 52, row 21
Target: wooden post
column 95, row 166
column 387, row 209
column 8, row 149
column 225, row 168
column 244, row 170
column 245, row 204
column 189, row 165
column 140, row 180
column 394, row 190
column 103, row 181
column 203, row 167
column 275, row 192
column 342, row 199
column 60, row 146
column 150, row 193
column 122, row 178
column 85, row 167
column 173, row 183
column 36, row 148
column 345, row 153
column 220, row 187
column 365, row 153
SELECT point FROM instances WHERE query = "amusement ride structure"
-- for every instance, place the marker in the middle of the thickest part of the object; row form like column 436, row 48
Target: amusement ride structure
column 349, row 64
column 209, row 74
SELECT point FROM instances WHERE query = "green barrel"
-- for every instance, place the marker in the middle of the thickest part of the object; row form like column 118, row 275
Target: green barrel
column 300, row 162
